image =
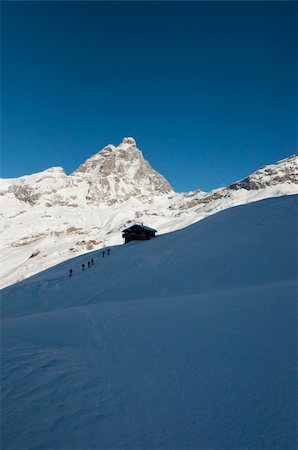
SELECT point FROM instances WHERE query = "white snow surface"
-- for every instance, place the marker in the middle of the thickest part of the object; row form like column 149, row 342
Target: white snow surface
column 186, row 341
column 49, row 217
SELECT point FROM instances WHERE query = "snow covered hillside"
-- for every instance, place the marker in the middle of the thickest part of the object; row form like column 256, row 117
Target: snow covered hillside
column 49, row 217
column 185, row 341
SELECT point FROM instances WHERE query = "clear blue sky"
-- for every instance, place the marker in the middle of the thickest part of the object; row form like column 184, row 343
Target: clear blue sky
column 206, row 88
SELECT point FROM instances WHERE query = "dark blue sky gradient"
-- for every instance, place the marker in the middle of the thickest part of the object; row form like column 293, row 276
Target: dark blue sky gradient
column 206, row 88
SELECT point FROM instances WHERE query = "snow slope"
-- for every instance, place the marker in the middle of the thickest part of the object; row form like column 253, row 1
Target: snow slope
column 184, row 341
column 49, row 217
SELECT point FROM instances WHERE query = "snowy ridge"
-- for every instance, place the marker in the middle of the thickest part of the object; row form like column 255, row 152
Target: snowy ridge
column 185, row 341
column 50, row 216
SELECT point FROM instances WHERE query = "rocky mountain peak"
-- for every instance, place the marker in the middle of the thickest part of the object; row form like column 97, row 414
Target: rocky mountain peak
column 117, row 173
column 129, row 141
column 97, row 163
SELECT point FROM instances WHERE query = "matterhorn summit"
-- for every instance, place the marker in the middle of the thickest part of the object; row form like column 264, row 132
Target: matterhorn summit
column 129, row 141
column 116, row 174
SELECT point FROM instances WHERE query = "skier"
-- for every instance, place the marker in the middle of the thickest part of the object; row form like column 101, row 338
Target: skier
column 92, row 261
column 88, row 264
column 103, row 253
column 83, row 267
column 70, row 272
column 108, row 251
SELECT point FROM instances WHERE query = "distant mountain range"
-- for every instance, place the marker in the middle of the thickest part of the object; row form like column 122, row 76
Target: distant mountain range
column 50, row 216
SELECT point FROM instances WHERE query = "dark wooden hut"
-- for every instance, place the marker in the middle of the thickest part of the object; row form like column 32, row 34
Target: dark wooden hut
column 138, row 232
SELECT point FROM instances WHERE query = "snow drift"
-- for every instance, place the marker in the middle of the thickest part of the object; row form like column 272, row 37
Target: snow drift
column 185, row 341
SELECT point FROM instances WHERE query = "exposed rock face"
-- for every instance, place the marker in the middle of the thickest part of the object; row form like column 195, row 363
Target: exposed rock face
column 24, row 193
column 49, row 216
column 285, row 171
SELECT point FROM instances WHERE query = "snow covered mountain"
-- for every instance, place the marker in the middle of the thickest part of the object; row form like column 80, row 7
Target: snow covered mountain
column 183, row 342
column 113, row 175
column 116, row 174
column 50, row 216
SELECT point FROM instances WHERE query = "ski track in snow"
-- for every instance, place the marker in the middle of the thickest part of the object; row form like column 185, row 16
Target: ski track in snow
column 168, row 361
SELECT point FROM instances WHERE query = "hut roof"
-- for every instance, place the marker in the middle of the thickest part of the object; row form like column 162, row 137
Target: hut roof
column 141, row 226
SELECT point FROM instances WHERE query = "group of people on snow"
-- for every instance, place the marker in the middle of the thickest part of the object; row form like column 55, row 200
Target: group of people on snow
column 90, row 263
